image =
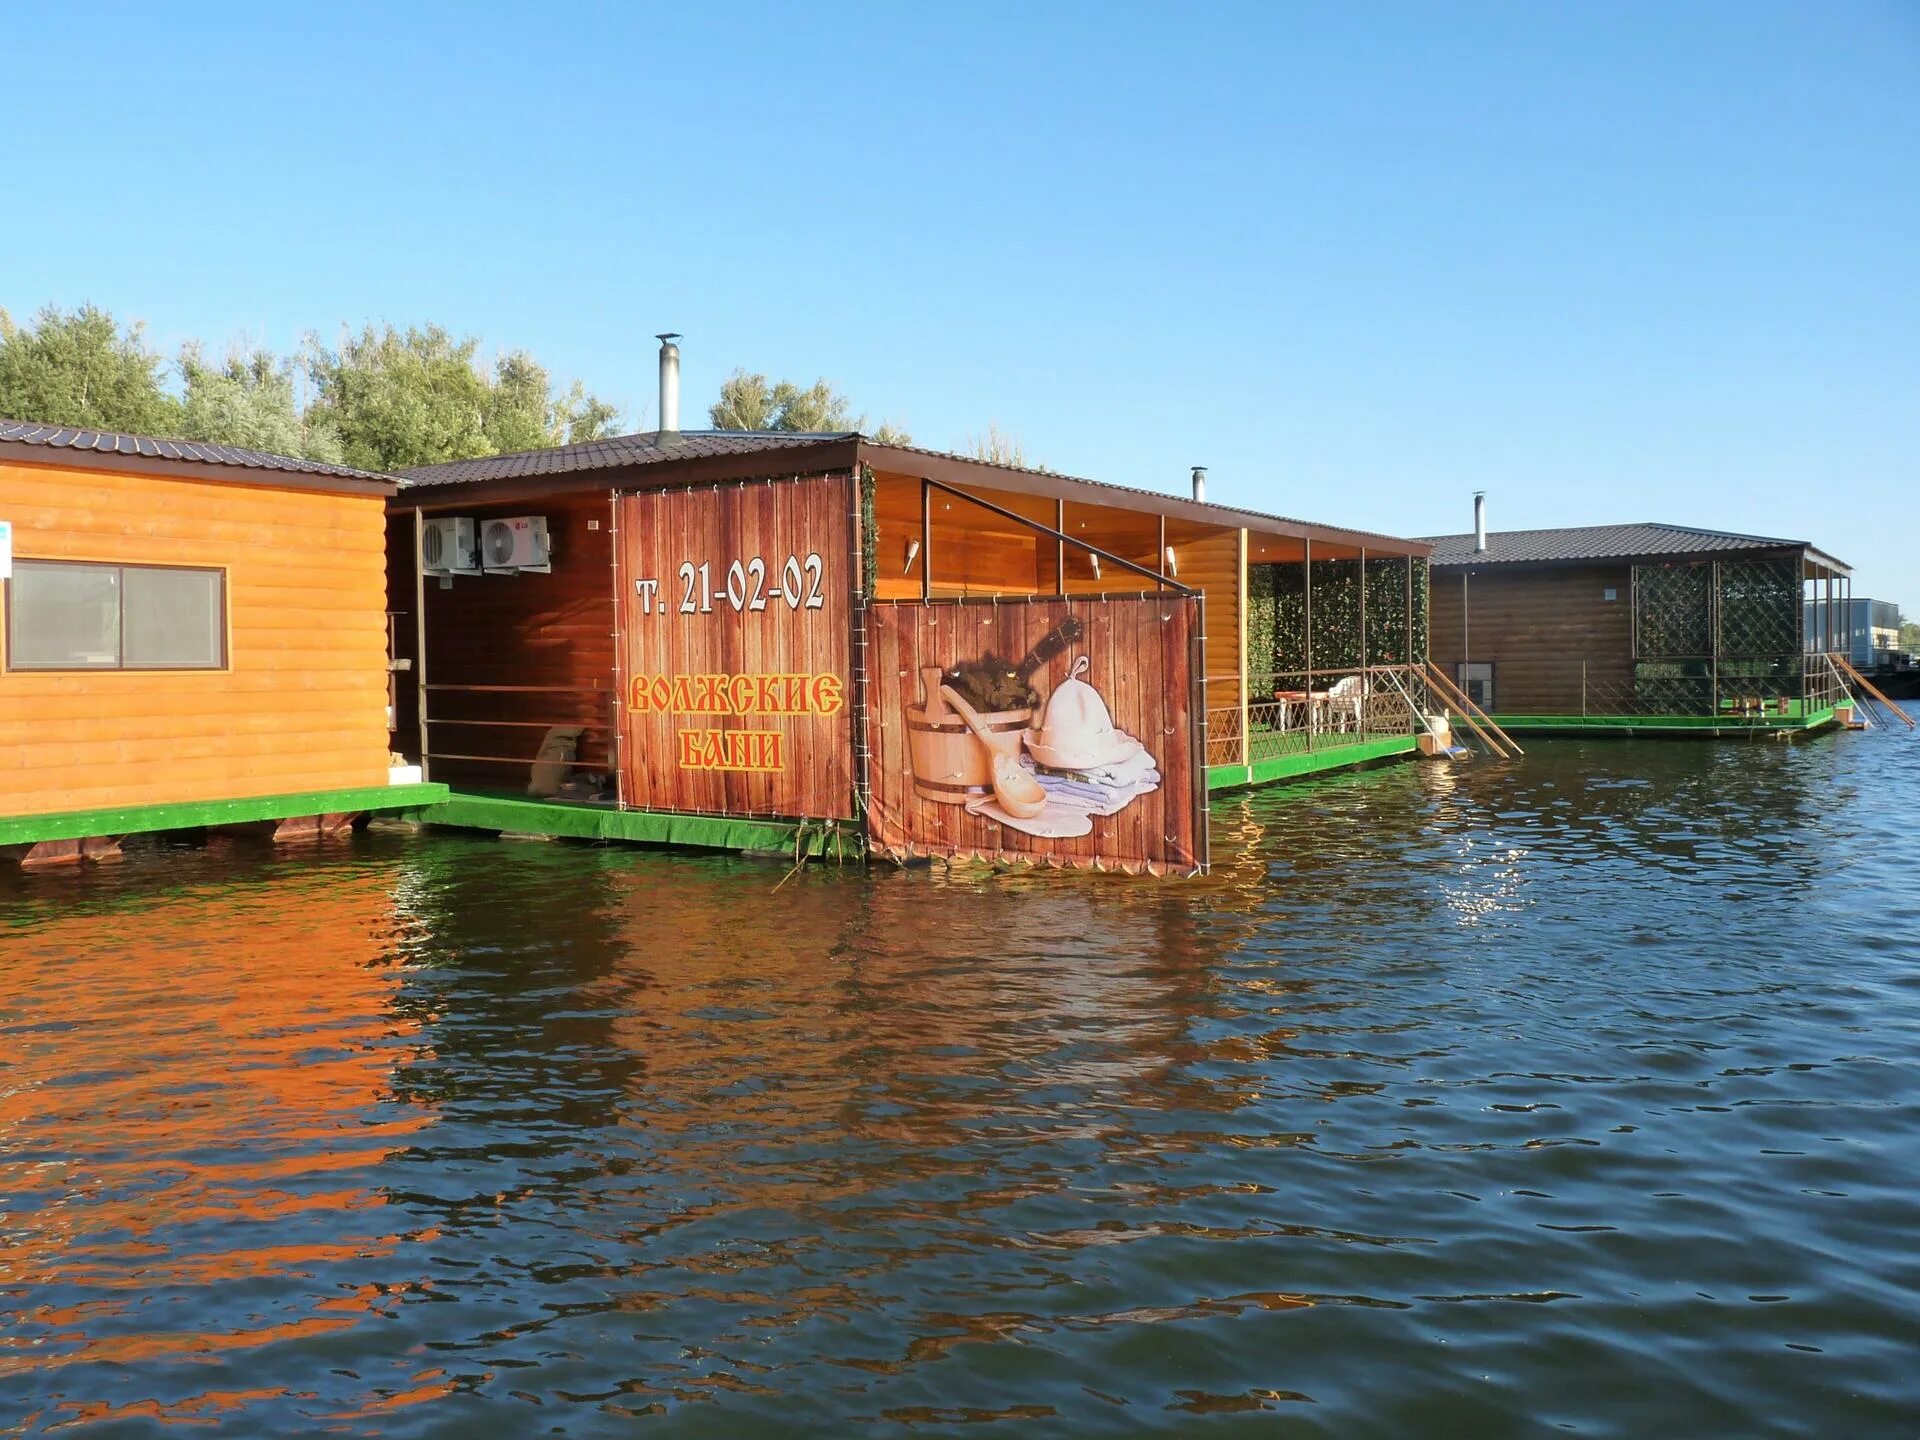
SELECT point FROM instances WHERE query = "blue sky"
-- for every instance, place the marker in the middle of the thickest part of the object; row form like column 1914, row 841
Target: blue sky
column 1607, row 261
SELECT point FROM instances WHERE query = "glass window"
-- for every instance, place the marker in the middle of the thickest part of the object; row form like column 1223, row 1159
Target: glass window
column 64, row 616
column 171, row 618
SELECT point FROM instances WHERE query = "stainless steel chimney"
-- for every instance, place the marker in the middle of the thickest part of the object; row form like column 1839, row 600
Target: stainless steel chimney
column 669, row 386
column 1200, row 482
column 1479, row 521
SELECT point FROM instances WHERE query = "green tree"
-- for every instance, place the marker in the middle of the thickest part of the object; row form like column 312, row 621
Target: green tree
column 1910, row 635
column 399, row 399
column 750, row 402
column 997, row 447
column 79, row 368
column 249, row 401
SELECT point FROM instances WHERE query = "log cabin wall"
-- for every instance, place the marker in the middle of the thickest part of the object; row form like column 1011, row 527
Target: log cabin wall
column 300, row 704
column 524, row 651
column 1538, row 628
column 1212, row 564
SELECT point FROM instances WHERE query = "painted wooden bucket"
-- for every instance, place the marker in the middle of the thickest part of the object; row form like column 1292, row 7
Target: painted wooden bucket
column 950, row 765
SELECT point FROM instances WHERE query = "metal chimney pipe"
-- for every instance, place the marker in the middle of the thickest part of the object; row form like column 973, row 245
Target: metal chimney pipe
column 669, row 386
column 1200, row 482
column 1479, row 520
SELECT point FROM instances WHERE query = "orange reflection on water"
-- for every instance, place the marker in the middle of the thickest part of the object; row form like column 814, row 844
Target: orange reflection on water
column 219, row 1073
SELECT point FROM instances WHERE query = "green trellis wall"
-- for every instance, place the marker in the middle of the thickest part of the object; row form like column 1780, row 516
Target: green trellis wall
column 1277, row 615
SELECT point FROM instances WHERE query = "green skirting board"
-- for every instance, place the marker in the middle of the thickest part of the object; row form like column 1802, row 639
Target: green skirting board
column 507, row 815
column 145, row 819
column 1698, row 726
column 1309, row 762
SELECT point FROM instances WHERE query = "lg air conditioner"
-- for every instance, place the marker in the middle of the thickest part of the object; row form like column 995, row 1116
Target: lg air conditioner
column 507, row 546
column 447, row 546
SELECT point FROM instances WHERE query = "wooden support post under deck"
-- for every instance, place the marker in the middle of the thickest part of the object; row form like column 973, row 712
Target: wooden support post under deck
column 1246, row 734
column 420, row 632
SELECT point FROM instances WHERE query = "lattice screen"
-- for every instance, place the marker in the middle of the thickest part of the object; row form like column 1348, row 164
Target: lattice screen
column 1759, row 607
column 1673, row 611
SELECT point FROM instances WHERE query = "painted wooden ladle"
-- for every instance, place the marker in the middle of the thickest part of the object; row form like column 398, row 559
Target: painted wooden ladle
column 1019, row 794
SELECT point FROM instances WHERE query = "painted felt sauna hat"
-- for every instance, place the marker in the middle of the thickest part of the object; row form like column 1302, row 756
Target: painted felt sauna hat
column 1076, row 731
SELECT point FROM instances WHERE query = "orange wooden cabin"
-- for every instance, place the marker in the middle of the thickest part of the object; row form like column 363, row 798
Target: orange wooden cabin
column 193, row 635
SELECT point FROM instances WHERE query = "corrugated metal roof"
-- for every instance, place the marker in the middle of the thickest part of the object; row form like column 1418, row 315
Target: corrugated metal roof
column 1595, row 542
column 617, row 451
column 645, row 449
column 197, row 452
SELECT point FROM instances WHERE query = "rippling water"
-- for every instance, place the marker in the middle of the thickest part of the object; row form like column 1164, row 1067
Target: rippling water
column 1576, row 1095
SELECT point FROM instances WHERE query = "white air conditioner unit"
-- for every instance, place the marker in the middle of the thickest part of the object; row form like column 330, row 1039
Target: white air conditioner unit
column 516, row 544
column 447, row 546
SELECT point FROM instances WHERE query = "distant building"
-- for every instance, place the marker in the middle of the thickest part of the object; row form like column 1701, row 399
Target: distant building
column 1646, row 626
column 1868, row 631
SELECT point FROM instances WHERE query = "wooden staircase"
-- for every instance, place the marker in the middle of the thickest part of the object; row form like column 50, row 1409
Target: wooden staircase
column 1856, row 679
column 1478, row 721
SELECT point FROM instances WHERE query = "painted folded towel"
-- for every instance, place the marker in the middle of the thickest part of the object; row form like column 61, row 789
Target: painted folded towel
column 1094, row 796
column 1134, row 768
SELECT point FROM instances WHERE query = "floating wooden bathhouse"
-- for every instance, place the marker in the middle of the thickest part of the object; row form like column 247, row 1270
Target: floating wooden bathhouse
column 1640, row 629
column 194, row 635
column 822, row 641
column 813, row 643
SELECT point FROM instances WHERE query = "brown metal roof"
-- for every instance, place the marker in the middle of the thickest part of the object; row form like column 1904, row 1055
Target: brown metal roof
column 617, row 451
column 1605, row 542
column 85, row 444
column 733, row 454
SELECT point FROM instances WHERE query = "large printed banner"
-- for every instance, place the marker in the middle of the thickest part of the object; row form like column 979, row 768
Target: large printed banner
column 737, row 631
column 1057, row 731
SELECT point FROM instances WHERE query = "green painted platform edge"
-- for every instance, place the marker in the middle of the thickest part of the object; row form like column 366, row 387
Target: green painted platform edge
column 1629, row 725
column 501, row 814
column 1308, row 762
column 144, row 819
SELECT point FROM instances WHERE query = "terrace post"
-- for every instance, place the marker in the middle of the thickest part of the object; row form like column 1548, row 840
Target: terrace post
column 1366, row 677
column 1240, row 607
column 1418, row 721
column 1060, row 546
column 420, row 633
column 1307, row 593
column 926, row 540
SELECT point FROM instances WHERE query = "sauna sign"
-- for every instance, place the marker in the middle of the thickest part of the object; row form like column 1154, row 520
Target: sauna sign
column 798, row 583
column 743, row 695
column 736, row 648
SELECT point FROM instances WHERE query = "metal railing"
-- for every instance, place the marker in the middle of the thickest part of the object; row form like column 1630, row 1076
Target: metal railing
column 1754, row 690
column 1290, row 713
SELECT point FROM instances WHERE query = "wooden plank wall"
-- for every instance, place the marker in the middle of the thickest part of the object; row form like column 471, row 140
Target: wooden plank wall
column 526, row 629
column 1538, row 627
column 302, row 704
column 1211, row 565
column 1140, row 651
column 717, row 526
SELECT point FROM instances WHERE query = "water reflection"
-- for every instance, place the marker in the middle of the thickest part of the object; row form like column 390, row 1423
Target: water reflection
column 1450, row 1098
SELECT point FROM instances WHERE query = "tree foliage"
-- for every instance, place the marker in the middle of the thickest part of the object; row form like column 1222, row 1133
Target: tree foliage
column 752, row 402
column 250, row 401
column 397, row 399
column 80, row 368
column 997, row 447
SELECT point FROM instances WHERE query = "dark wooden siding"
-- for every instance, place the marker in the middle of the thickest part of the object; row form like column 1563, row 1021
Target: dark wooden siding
column 549, row 637
column 1538, row 628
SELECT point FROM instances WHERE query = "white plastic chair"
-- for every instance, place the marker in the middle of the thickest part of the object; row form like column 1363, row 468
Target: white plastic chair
column 1345, row 698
